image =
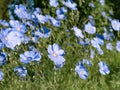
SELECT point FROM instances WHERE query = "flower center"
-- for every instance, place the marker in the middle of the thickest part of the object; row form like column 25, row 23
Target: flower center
column 18, row 28
column 6, row 38
column 54, row 54
column 19, row 11
column 81, row 72
column 24, row 58
column 89, row 28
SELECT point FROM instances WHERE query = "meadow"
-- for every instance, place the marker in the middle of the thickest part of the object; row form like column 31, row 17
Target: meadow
column 59, row 45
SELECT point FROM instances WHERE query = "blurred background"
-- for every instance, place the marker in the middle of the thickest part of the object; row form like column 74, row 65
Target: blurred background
column 4, row 7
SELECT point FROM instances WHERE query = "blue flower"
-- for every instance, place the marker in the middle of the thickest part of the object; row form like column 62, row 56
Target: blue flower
column 28, row 56
column 4, row 23
column 44, row 32
column 103, row 68
column 3, row 58
column 91, row 4
column 16, row 25
column 100, row 51
column 109, row 18
column 85, row 61
column 94, row 43
column 89, row 28
column 115, row 24
column 70, row 4
column 102, row 2
column 37, row 11
column 109, row 46
column 108, row 35
column 104, row 14
column 30, row 24
column 97, row 41
column 84, row 42
column 41, row 18
column 61, row 13
column 91, row 19
column 118, row 46
column 53, row 3
column 1, row 44
column 78, row 32
column 100, row 37
column 54, row 21
column 111, row 12
column 20, row 71
column 81, row 71
column 92, row 54
column 1, row 75
column 11, row 38
column 56, row 55
column 21, row 11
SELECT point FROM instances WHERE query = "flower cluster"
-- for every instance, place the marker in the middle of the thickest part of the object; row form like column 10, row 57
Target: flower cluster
column 31, row 26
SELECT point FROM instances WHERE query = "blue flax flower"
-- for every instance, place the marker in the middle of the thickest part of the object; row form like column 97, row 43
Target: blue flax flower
column 103, row 13
column 53, row 3
column 102, row 2
column 85, row 61
column 16, row 25
column 28, row 56
column 1, row 75
column 54, row 21
column 61, row 13
column 91, row 19
column 21, row 12
column 3, row 58
column 89, row 28
column 11, row 38
column 108, row 35
column 91, row 4
column 81, row 70
column 103, row 68
column 109, row 46
column 44, row 32
column 78, row 32
column 100, row 51
column 95, row 43
column 37, row 11
column 92, row 54
column 70, row 4
column 115, row 24
column 98, row 40
column 41, row 18
column 20, row 71
column 56, row 55
column 1, row 44
column 4, row 23
column 84, row 42
column 118, row 46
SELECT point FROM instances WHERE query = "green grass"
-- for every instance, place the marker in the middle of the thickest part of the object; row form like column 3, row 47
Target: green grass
column 43, row 77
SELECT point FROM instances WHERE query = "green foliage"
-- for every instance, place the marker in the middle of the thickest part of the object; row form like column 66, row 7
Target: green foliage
column 116, row 8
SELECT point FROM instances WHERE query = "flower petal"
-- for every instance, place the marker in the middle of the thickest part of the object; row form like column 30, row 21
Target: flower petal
column 55, row 47
column 50, row 50
column 60, row 52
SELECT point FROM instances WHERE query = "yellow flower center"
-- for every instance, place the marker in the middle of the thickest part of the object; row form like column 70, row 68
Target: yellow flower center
column 25, row 58
column 54, row 54
column 18, row 28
